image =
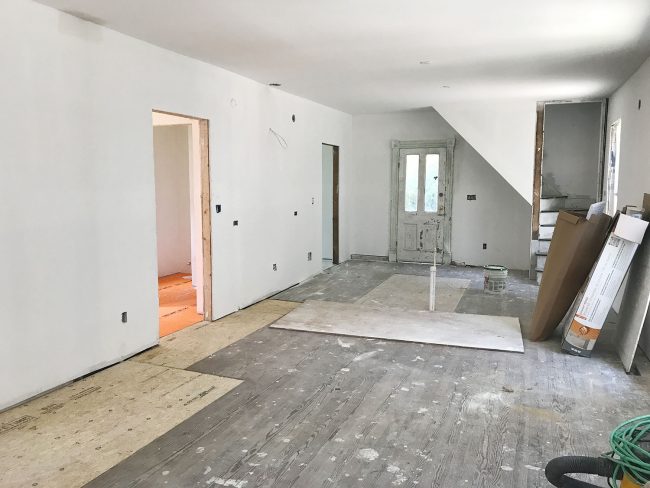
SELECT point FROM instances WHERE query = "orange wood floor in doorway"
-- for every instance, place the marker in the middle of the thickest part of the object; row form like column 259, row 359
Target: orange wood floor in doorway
column 177, row 302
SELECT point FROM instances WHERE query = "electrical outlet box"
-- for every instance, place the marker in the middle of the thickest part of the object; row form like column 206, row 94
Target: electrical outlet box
column 124, row 317
column 275, row 267
column 295, row 213
column 471, row 197
column 309, row 256
column 485, row 245
column 235, row 222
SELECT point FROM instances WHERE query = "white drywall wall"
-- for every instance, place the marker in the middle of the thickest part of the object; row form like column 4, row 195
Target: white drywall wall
column 634, row 169
column 172, row 170
column 503, row 132
column 499, row 216
column 571, row 160
column 327, row 201
column 634, row 164
column 78, row 214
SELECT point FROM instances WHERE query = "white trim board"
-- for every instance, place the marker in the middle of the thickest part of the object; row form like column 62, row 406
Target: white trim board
column 444, row 328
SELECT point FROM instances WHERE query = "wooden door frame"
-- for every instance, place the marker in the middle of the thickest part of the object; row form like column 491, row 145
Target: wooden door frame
column 335, row 202
column 537, row 189
column 335, row 207
column 449, row 145
column 206, row 213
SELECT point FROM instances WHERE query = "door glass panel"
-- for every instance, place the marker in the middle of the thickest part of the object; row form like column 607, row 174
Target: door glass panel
column 431, row 183
column 411, row 183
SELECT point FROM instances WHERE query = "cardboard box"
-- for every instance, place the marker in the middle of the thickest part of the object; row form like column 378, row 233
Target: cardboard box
column 575, row 246
column 589, row 311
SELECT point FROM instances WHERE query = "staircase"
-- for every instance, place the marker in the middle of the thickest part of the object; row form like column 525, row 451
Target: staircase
column 549, row 210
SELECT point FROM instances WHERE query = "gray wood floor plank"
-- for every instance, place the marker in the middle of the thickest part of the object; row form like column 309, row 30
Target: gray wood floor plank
column 330, row 411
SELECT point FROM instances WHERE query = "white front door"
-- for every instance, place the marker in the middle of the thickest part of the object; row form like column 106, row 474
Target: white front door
column 421, row 204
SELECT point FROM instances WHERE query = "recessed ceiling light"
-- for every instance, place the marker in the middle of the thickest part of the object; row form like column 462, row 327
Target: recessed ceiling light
column 275, row 84
column 425, row 62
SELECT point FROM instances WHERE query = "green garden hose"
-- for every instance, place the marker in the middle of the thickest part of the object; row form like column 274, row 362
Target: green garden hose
column 627, row 453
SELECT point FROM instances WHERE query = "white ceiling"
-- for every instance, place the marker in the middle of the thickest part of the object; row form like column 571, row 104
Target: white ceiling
column 364, row 56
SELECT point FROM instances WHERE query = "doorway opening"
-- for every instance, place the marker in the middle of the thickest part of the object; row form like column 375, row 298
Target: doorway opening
column 421, row 197
column 330, row 205
column 183, row 227
column 568, row 170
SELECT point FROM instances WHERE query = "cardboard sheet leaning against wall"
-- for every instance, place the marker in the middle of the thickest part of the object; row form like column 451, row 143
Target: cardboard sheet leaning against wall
column 589, row 311
column 574, row 249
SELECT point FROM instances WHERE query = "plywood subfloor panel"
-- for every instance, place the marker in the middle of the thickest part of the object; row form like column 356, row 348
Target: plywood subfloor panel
column 451, row 329
column 411, row 292
column 177, row 303
column 69, row 436
column 189, row 345
column 348, row 281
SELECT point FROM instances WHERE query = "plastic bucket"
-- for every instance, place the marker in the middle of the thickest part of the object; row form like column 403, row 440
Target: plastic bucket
column 495, row 278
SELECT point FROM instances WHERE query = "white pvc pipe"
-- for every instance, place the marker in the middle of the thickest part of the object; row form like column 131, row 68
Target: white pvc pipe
column 432, row 285
column 432, row 289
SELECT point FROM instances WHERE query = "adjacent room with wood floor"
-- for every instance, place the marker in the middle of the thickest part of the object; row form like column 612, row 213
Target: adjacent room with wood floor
column 325, row 244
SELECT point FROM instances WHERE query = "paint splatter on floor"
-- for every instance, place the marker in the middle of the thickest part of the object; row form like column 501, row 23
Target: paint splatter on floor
column 367, row 454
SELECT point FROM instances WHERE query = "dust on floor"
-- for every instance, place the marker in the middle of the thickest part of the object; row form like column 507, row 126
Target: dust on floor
column 69, row 436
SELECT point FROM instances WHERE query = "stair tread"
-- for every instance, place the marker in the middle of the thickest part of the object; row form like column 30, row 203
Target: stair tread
column 539, row 270
column 541, row 253
column 547, row 225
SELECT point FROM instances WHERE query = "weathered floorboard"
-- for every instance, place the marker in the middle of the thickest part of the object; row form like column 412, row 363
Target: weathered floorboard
column 333, row 411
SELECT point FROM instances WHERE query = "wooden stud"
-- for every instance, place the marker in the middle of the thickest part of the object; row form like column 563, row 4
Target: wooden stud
column 537, row 171
column 206, row 213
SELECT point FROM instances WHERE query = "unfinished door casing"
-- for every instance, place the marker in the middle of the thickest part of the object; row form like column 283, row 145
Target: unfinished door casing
column 421, row 201
column 201, row 208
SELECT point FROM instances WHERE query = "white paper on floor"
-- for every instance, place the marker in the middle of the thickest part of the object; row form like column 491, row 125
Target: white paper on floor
column 446, row 328
column 411, row 292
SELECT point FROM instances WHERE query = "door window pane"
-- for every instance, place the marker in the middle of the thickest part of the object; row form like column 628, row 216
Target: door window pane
column 411, row 183
column 431, row 183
